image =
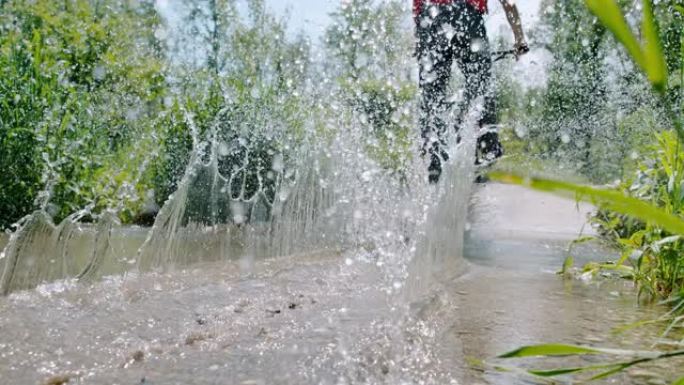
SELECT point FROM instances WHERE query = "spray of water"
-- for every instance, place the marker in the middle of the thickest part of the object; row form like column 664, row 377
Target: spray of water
column 330, row 200
column 242, row 199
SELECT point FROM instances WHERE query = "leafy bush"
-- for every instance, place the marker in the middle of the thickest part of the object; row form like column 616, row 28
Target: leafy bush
column 246, row 102
column 81, row 87
column 373, row 52
column 656, row 255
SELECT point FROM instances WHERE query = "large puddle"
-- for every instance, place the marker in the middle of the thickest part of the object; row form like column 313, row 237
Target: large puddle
column 322, row 319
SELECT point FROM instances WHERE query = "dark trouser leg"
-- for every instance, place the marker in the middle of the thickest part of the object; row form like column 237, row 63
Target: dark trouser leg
column 435, row 61
column 475, row 61
column 489, row 147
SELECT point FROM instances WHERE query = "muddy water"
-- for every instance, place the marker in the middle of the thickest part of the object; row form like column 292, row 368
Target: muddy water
column 326, row 318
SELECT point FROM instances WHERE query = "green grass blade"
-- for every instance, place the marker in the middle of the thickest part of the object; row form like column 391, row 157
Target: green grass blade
column 549, row 350
column 557, row 372
column 567, row 266
column 656, row 68
column 610, row 15
column 617, row 369
column 611, row 200
column 626, row 365
column 563, row 371
column 679, row 382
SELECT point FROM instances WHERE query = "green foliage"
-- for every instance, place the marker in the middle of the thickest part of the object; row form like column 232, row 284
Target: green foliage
column 649, row 247
column 549, row 350
column 658, row 256
column 380, row 105
column 81, row 86
column 246, row 103
column 573, row 113
column 21, row 106
column 596, row 111
column 372, row 48
column 96, row 113
column 648, row 57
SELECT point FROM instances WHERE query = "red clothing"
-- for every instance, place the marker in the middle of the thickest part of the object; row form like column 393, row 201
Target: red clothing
column 480, row 5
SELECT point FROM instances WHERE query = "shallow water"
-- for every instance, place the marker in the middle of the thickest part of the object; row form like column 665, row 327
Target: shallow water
column 323, row 318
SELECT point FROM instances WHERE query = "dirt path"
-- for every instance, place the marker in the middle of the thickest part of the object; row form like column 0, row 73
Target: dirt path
column 507, row 211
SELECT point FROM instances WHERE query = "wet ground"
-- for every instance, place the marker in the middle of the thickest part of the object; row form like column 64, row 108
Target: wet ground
column 327, row 319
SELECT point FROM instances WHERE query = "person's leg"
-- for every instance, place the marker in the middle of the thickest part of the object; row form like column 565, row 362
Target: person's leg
column 475, row 61
column 435, row 59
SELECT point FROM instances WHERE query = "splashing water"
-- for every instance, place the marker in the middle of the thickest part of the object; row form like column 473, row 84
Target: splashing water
column 254, row 191
column 325, row 200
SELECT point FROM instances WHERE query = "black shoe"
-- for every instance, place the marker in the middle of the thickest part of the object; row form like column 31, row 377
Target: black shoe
column 481, row 179
column 435, row 167
column 489, row 149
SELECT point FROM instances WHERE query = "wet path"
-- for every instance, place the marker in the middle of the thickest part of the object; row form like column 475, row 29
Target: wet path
column 512, row 296
column 326, row 319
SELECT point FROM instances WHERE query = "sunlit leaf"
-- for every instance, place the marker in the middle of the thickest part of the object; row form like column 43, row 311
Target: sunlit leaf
column 679, row 382
column 610, row 15
column 549, row 350
column 567, row 265
column 656, row 68
column 611, row 200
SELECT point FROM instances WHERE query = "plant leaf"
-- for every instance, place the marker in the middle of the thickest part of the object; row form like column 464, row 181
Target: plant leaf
column 557, row 372
column 612, row 200
column 610, row 15
column 549, row 350
column 567, row 265
column 679, row 382
column 617, row 369
column 563, row 371
column 656, row 68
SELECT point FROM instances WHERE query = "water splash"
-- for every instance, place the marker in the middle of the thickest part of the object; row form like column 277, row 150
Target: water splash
column 336, row 199
column 254, row 188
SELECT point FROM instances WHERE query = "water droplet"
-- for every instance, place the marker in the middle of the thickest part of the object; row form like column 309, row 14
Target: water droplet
column 99, row 73
column 278, row 164
column 223, row 149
